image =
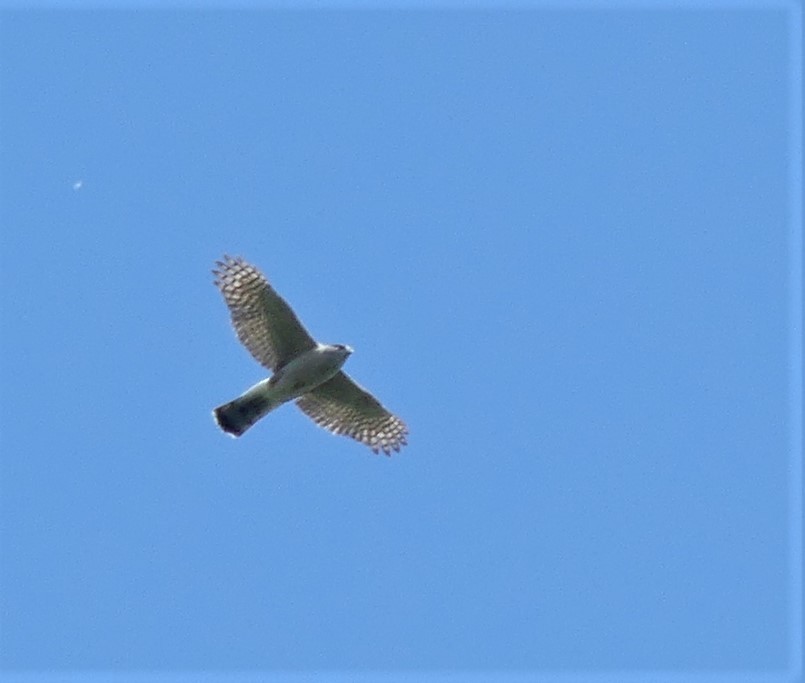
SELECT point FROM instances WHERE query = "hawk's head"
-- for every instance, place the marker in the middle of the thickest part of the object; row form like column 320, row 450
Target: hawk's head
column 346, row 350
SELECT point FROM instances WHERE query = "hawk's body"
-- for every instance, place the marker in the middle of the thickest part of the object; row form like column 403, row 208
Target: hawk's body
column 303, row 373
column 303, row 369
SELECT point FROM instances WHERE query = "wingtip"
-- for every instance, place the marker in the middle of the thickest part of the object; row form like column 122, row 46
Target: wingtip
column 222, row 265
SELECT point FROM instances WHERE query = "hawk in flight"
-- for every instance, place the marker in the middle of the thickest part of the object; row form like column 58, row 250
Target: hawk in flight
column 303, row 370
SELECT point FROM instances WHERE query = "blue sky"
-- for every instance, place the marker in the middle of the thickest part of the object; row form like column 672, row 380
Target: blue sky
column 565, row 247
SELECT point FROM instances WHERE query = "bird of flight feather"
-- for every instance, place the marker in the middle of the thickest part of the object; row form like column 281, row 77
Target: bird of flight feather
column 303, row 370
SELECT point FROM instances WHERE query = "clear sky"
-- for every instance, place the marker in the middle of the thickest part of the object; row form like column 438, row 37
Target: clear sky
column 564, row 246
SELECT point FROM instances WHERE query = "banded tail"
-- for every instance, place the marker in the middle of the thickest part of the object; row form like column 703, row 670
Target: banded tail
column 237, row 416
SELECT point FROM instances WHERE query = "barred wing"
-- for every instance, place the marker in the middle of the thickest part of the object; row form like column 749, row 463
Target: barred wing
column 265, row 324
column 343, row 407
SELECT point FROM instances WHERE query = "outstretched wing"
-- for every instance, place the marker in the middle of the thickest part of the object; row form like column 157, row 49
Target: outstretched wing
column 264, row 322
column 343, row 407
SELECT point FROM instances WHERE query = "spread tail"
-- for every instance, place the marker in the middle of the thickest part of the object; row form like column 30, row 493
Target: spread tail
column 237, row 416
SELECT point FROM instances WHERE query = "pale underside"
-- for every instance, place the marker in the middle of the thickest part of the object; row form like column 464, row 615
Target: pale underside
column 270, row 330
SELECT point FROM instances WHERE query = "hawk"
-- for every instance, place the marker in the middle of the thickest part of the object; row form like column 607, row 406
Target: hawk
column 303, row 370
